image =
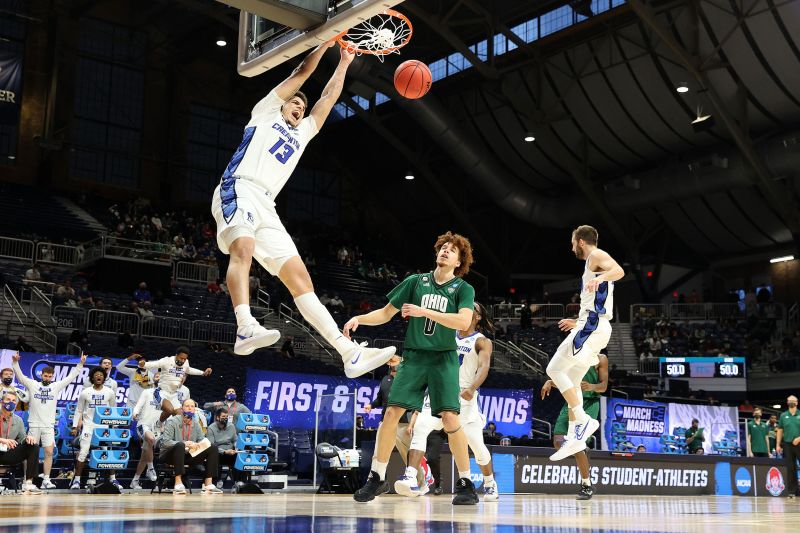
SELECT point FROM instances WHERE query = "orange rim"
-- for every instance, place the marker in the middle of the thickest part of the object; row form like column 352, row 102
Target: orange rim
column 392, row 13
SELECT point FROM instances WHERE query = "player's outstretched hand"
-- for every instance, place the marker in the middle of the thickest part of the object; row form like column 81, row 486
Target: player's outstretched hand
column 546, row 388
column 566, row 324
column 83, row 358
column 411, row 310
column 207, row 372
column 15, row 357
column 351, row 325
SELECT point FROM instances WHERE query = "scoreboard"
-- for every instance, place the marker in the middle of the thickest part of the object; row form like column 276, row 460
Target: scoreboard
column 702, row 367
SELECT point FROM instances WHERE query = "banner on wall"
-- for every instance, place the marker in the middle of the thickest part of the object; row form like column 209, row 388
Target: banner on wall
column 632, row 423
column 10, row 86
column 32, row 364
column 289, row 399
column 716, row 421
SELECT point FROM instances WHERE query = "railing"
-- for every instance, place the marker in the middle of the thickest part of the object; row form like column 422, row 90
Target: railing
column 16, row 248
column 545, row 423
column 14, row 305
column 619, row 392
column 70, row 317
column 139, row 250
column 195, row 272
column 793, row 318
column 263, row 298
column 45, row 336
column 286, row 313
column 56, row 254
column 166, row 327
column 383, row 343
column 649, row 366
column 74, row 349
column 701, row 311
column 40, row 307
column 207, row 331
column 102, row 321
column 537, row 353
column 538, row 311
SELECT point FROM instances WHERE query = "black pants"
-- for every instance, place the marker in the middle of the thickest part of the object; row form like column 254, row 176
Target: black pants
column 227, row 459
column 23, row 452
column 178, row 457
column 791, row 453
column 760, row 454
column 433, row 449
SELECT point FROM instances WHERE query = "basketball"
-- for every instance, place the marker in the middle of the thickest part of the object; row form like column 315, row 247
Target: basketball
column 412, row 79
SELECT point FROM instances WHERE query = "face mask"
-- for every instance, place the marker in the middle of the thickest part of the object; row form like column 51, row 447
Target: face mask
column 9, row 406
column 46, row 383
column 141, row 371
column 792, row 405
column 179, row 362
column 757, row 417
column 8, row 381
column 188, row 416
column 231, row 396
column 223, row 422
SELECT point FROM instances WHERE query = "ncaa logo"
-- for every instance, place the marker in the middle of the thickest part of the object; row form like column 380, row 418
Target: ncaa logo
column 619, row 410
column 775, row 484
column 743, row 480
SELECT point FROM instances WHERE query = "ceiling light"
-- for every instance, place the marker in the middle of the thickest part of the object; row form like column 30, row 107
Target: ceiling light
column 702, row 122
column 222, row 42
column 529, row 138
column 781, row 259
column 776, row 406
column 12, row 157
column 409, row 176
column 682, row 87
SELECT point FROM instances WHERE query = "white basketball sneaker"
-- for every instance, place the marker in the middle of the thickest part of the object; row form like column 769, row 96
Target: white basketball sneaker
column 577, row 440
column 490, row 493
column 407, row 485
column 251, row 337
column 359, row 359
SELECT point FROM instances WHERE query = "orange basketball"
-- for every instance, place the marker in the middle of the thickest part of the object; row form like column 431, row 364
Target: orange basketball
column 412, row 79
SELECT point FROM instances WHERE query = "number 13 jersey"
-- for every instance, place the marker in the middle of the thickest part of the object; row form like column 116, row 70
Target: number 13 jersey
column 270, row 147
column 422, row 290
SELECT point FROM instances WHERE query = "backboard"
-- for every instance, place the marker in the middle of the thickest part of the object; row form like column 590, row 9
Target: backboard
column 264, row 44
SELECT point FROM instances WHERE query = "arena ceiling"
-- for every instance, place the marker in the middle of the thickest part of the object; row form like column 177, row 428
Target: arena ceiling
column 614, row 146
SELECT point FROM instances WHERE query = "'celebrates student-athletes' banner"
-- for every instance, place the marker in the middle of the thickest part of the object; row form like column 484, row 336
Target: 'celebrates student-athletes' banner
column 289, row 399
column 10, row 86
column 32, row 364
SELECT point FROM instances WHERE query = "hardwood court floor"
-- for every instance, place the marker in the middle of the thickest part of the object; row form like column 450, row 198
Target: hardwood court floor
column 301, row 512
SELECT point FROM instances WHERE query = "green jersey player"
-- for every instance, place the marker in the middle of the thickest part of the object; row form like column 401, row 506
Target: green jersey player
column 437, row 304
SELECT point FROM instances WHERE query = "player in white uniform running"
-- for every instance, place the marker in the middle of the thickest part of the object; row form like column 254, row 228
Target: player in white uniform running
column 174, row 370
column 98, row 395
column 248, row 225
column 475, row 352
column 43, row 397
column 147, row 413
column 589, row 334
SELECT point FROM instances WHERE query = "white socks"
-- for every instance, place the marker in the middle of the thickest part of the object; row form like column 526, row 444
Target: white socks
column 411, row 472
column 579, row 413
column 243, row 316
column 318, row 316
column 586, row 482
column 464, row 474
column 379, row 468
column 488, row 480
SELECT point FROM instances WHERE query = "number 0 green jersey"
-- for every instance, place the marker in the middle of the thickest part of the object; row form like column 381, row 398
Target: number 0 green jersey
column 422, row 290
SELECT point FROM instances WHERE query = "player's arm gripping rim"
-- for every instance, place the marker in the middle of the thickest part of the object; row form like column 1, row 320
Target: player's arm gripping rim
column 484, row 348
column 600, row 261
column 332, row 90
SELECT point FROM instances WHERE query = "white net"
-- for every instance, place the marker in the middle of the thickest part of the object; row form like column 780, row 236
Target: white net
column 382, row 34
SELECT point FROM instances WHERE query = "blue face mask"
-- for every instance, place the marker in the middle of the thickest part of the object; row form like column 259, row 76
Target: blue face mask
column 189, row 415
column 9, row 406
column 231, row 396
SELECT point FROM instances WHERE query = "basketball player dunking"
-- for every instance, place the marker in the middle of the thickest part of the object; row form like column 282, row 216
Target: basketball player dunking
column 475, row 352
column 594, row 383
column 248, row 225
column 589, row 334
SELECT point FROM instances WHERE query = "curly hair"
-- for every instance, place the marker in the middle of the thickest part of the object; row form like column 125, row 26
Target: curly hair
column 464, row 250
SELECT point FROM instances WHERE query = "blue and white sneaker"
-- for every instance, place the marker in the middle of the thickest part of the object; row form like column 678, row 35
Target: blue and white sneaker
column 576, row 442
column 490, row 493
column 358, row 359
column 252, row 337
column 117, row 484
column 407, row 485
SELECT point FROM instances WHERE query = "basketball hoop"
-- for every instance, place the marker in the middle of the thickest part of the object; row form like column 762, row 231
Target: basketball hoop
column 383, row 34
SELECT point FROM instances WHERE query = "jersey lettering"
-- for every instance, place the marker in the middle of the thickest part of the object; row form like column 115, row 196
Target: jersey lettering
column 436, row 302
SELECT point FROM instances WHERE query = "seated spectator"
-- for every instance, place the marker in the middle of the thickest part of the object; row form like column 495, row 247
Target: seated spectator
column 146, row 312
column 189, row 251
column 214, row 346
column 214, row 288
column 341, row 255
column 491, row 431
column 66, row 291
column 287, row 350
column 33, row 274
column 222, row 434
column 230, row 403
column 655, row 345
column 18, row 446
column 182, row 436
column 85, row 296
column 325, row 299
column 641, row 449
column 141, row 294
column 336, row 302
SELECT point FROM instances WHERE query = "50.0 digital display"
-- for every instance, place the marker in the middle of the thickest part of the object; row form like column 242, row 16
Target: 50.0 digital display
column 702, row 367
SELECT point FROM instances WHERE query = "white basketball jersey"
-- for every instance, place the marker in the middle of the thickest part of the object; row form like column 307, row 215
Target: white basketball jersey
column 270, row 148
column 468, row 356
column 601, row 301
